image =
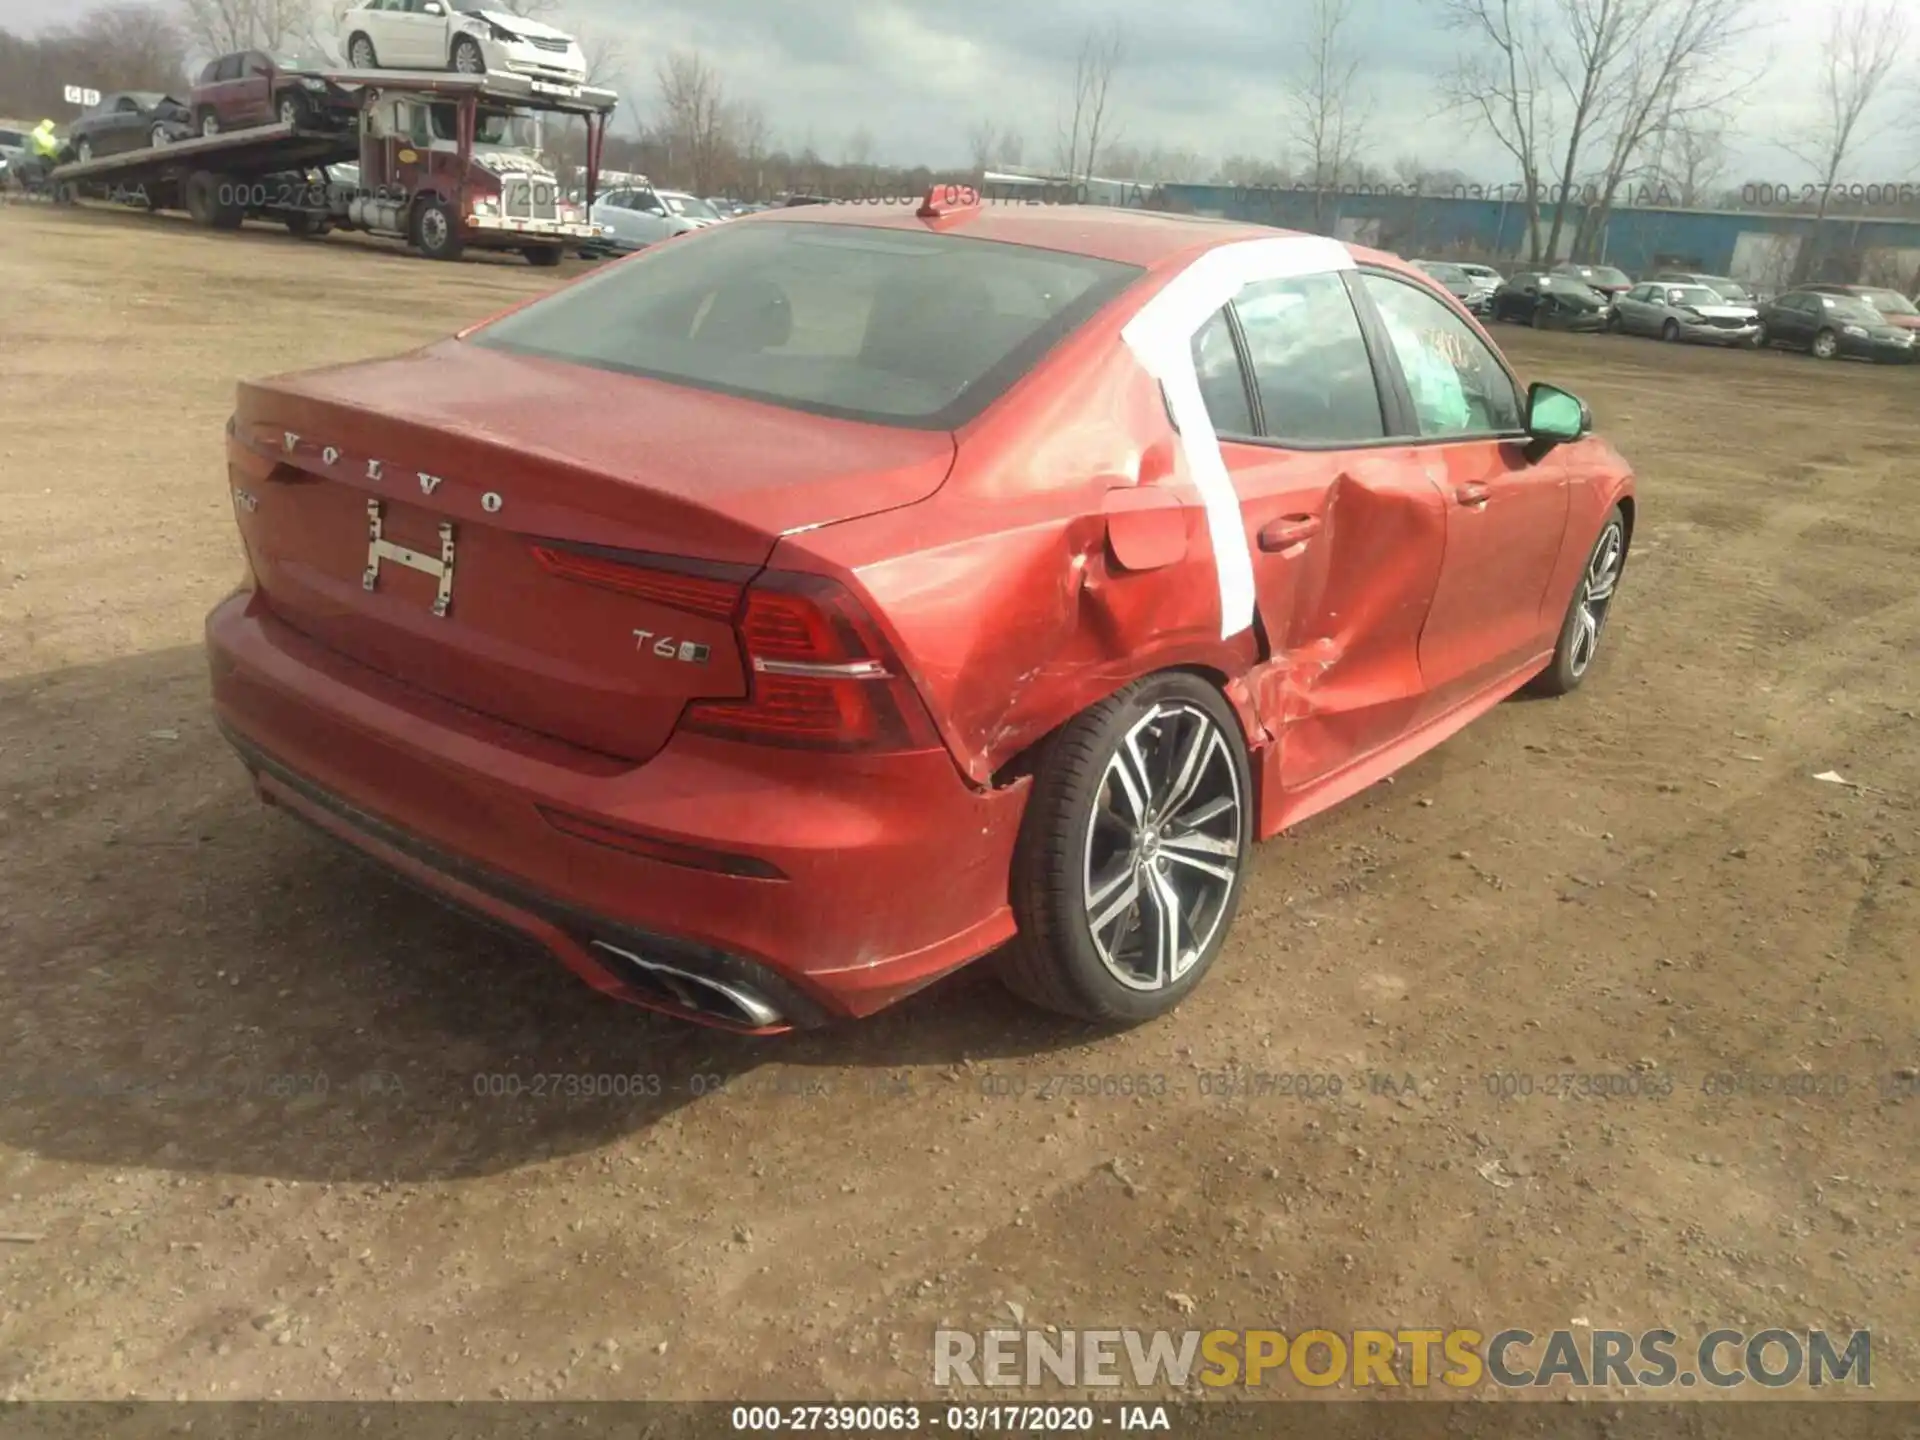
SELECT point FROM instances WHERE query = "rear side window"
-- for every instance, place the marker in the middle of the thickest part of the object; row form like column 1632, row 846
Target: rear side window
column 1223, row 384
column 1310, row 363
column 889, row 326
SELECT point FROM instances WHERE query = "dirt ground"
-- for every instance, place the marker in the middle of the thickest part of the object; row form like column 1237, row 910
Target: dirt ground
column 245, row 1149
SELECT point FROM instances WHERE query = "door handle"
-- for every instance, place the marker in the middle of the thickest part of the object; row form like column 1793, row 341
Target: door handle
column 1289, row 531
column 1473, row 493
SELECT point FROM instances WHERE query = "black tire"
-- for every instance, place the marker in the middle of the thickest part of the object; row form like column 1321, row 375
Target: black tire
column 1539, row 318
column 435, row 230
column 466, row 57
column 1615, row 323
column 304, row 226
column 544, row 257
column 197, row 195
column 1670, row 332
column 1056, row 961
column 212, row 200
column 291, row 107
column 1760, row 337
column 1579, row 640
column 360, row 52
column 1826, row 346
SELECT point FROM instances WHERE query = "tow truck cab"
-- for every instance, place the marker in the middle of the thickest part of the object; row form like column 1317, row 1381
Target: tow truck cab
column 449, row 173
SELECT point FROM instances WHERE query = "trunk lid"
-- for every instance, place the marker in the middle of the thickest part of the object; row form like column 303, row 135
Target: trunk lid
column 544, row 482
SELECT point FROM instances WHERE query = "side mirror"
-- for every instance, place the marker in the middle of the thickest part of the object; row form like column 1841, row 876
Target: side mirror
column 433, row 7
column 1554, row 418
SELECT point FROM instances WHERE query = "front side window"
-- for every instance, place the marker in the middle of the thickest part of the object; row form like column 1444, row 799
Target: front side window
column 1458, row 386
column 888, row 326
column 1311, row 368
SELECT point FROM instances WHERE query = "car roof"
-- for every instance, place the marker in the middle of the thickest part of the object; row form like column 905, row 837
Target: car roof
column 1128, row 236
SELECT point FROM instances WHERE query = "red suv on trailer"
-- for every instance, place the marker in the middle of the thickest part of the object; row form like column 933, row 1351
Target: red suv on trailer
column 250, row 88
column 776, row 620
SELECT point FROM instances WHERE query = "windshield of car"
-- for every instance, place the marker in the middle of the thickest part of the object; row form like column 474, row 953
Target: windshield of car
column 1731, row 289
column 1889, row 302
column 893, row 327
column 1446, row 274
column 1850, row 307
column 1693, row 295
column 1605, row 275
column 689, row 205
column 145, row 99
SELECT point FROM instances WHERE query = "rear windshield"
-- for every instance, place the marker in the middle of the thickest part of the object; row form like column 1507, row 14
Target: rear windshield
column 1889, row 302
column 890, row 326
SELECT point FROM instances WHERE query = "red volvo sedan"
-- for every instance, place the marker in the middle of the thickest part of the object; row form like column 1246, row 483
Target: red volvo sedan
column 772, row 622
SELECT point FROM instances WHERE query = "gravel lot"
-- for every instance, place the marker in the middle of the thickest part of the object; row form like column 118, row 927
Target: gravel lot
column 246, row 1148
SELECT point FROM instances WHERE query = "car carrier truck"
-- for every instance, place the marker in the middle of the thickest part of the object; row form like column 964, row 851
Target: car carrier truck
column 437, row 168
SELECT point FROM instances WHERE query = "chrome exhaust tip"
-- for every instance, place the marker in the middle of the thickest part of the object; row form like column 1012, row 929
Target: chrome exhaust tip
column 716, row 999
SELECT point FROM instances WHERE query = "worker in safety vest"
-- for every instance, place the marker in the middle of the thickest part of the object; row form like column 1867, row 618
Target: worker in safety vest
column 46, row 144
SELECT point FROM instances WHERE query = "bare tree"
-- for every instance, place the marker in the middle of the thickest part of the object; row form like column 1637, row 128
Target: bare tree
column 1864, row 44
column 859, row 149
column 1677, row 71
column 982, row 138
column 1081, row 137
column 1498, row 86
column 1693, row 161
column 527, row 9
column 1327, row 112
column 747, row 124
column 113, row 47
column 696, row 120
column 1010, row 148
column 220, row 26
column 1600, row 34
column 604, row 54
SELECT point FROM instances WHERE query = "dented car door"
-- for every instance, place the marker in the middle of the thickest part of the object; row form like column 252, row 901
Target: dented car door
column 1346, row 537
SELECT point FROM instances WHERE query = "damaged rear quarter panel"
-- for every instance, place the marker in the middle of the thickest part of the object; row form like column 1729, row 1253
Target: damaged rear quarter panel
column 1002, row 591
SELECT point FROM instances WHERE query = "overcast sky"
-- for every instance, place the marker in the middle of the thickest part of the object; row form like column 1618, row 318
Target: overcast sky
column 1207, row 74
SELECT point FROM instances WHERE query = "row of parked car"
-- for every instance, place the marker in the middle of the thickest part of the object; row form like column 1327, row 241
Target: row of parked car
column 1829, row 320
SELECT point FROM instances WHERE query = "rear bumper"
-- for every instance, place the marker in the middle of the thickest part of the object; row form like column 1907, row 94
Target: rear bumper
column 892, row 870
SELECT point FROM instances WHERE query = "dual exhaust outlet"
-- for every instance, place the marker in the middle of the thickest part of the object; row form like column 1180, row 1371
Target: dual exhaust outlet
column 719, row 1000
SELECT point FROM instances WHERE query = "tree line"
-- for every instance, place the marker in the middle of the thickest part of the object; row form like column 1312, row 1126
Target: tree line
column 1595, row 103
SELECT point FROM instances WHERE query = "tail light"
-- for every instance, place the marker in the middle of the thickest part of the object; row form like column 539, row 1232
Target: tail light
column 698, row 590
column 821, row 674
column 823, row 677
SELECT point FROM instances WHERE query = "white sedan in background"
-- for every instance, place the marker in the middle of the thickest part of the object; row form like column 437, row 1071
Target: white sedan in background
column 632, row 217
column 438, row 35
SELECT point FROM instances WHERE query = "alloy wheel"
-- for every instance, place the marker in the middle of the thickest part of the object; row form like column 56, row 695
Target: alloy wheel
column 84, row 150
column 209, row 124
column 1824, row 345
column 467, row 58
column 1596, row 597
column 1163, row 846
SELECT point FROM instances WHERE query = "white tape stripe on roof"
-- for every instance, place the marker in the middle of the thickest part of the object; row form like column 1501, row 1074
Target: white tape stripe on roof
column 1161, row 338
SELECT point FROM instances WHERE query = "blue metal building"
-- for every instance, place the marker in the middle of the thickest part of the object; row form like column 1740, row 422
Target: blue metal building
column 1757, row 246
